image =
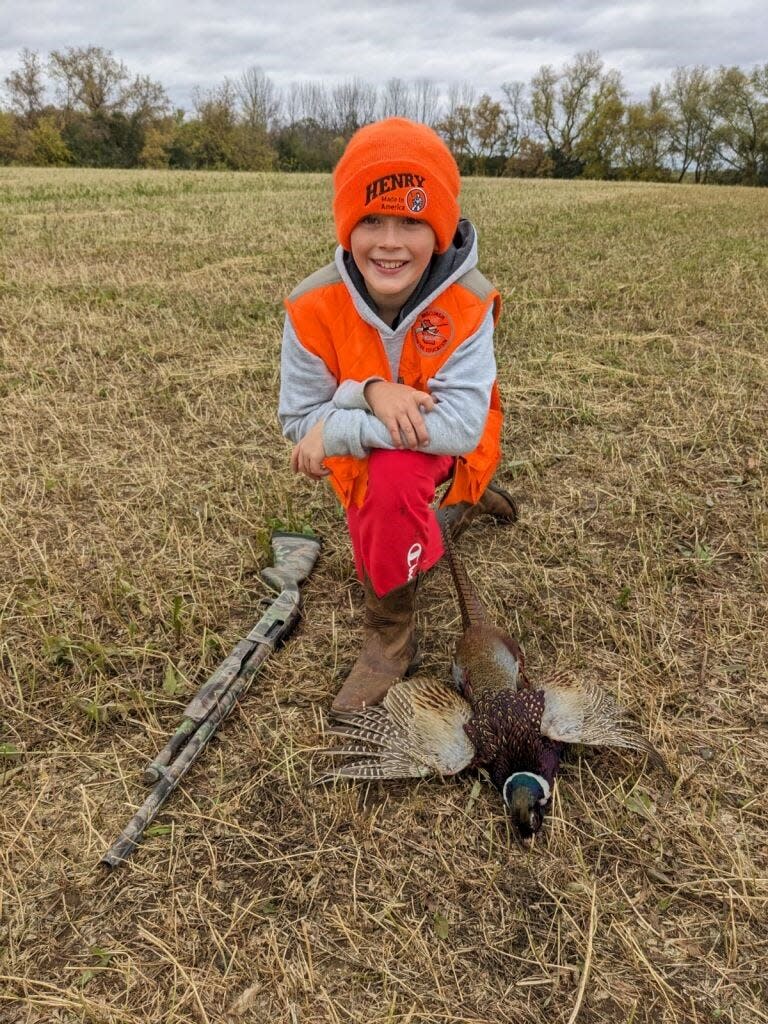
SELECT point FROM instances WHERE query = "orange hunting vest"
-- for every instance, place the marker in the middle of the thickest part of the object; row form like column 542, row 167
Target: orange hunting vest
column 326, row 322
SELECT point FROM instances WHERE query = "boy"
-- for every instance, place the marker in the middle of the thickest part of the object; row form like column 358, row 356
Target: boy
column 388, row 380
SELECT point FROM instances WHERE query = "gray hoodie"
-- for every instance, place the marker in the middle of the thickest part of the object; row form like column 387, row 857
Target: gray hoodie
column 461, row 388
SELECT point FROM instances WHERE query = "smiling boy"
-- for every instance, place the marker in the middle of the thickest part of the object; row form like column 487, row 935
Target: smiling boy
column 388, row 380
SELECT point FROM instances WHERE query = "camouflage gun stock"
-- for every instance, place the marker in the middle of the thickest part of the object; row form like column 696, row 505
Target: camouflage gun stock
column 294, row 556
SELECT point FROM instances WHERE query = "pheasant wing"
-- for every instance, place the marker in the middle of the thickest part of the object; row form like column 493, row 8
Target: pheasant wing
column 417, row 732
column 577, row 711
column 433, row 716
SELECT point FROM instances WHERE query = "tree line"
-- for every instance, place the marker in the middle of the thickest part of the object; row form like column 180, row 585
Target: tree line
column 702, row 124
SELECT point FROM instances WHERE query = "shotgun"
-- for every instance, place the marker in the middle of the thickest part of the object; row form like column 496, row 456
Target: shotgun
column 294, row 556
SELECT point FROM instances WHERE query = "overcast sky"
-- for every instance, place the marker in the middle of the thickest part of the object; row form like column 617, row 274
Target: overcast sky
column 183, row 43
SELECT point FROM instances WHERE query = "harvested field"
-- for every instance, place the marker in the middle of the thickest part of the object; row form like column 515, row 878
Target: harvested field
column 141, row 471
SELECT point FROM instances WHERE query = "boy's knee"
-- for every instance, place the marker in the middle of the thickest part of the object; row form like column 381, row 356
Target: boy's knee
column 400, row 477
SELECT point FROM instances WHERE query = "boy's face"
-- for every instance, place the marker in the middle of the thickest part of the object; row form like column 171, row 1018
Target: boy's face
column 391, row 253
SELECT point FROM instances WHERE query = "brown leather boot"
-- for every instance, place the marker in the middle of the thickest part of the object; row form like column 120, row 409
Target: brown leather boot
column 389, row 649
column 494, row 501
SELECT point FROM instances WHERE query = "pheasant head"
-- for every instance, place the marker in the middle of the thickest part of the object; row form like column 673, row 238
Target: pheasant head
column 526, row 796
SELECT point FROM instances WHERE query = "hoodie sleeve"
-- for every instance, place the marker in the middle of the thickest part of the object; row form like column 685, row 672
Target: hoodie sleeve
column 309, row 392
column 307, row 387
column 461, row 388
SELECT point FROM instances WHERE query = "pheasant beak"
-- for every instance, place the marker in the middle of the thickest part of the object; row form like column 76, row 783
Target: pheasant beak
column 524, row 841
column 535, row 820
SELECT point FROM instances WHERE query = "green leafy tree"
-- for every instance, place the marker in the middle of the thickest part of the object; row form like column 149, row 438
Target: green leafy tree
column 145, row 101
column 693, row 119
column 600, row 139
column 479, row 132
column 158, row 142
column 89, row 79
column 577, row 111
column 251, row 148
column 45, row 146
column 216, row 111
column 106, row 114
column 491, row 131
column 741, row 137
column 645, row 139
column 9, row 137
column 530, row 160
column 107, row 139
column 186, row 143
column 307, row 145
column 456, row 129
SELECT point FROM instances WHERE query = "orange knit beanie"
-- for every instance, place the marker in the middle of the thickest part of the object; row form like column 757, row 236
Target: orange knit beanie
column 400, row 168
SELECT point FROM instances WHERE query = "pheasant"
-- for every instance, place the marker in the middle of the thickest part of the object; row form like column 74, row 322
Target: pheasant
column 493, row 717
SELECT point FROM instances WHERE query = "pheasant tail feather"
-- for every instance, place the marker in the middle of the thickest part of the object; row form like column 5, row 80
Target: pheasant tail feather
column 473, row 611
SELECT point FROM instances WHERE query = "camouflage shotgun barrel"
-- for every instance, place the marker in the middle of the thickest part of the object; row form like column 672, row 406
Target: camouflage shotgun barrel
column 294, row 557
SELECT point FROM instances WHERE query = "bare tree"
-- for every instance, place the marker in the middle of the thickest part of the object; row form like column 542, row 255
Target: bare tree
column 518, row 113
column 397, row 99
column 426, row 99
column 460, row 94
column 89, row 78
column 544, row 104
column 308, row 101
column 26, row 89
column 219, row 102
column 353, row 105
column 259, row 99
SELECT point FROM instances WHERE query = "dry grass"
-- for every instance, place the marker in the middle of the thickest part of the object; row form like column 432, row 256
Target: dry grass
column 140, row 469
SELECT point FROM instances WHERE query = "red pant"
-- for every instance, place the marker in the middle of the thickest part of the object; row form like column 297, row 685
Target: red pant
column 395, row 534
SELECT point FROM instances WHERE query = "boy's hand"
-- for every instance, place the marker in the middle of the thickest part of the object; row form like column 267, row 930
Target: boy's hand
column 400, row 409
column 307, row 457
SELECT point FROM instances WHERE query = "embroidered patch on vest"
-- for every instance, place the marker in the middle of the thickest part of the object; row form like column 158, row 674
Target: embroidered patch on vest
column 432, row 331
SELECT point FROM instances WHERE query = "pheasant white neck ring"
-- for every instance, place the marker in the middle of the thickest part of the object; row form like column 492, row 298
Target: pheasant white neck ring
column 536, row 783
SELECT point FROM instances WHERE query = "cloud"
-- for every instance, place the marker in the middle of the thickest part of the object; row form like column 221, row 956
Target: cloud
column 198, row 42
